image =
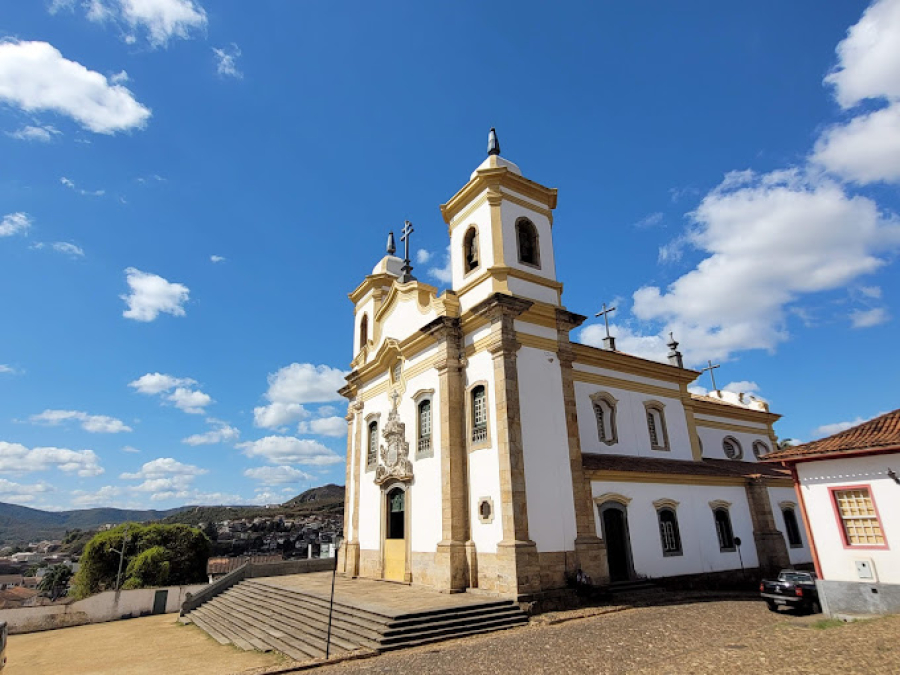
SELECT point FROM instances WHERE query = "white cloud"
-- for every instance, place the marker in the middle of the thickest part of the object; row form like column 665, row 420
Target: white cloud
column 739, row 387
column 119, row 78
column 165, row 477
column 290, row 450
column 423, row 256
column 130, row 449
column 651, row 347
column 771, row 239
column 189, row 400
column 6, row 369
column 21, row 494
column 866, row 318
column 869, row 57
column 220, row 433
column 179, row 391
column 294, row 385
column 14, row 223
column 226, row 61
column 42, row 134
column 217, row 258
column 34, row 77
column 442, row 273
column 161, row 20
column 277, row 475
column 105, row 496
column 648, row 221
column 864, row 150
column 67, row 248
column 151, row 294
column 837, row 427
column 325, row 426
column 69, row 183
column 17, row 459
column 95, row 424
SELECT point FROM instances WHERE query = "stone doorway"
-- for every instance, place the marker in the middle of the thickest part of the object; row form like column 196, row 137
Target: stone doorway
column 614, row 522
column 395, row 534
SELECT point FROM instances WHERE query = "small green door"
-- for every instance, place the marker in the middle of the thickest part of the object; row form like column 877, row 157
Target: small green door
column 159, row 602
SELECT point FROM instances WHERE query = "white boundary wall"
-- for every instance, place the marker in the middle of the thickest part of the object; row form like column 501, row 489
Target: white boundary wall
column 106, row 606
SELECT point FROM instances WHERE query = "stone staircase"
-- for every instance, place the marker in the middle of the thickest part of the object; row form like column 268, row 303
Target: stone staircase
column 255, row 615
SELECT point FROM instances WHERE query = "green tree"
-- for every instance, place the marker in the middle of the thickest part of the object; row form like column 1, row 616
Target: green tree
column 55, row 581
column 154, row 554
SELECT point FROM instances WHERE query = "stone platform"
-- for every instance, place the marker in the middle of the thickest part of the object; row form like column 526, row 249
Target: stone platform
column 290, row 614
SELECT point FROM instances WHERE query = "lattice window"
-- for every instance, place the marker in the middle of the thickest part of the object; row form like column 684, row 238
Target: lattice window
column 372, row 452
column 479, row 414
column 732, row 448
column 858, row 517
column 424, row 426
column 760, row 449
column 668, row 532
column 601, row 421
column 651, row 425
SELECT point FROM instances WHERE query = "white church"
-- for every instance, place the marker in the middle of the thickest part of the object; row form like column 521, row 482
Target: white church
column 487, row 450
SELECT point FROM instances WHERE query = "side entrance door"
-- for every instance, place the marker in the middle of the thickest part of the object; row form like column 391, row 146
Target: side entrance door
column 614, row 518
column 395, row 535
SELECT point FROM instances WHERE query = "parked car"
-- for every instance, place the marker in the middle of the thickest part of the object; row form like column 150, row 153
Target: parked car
column 794, row 589
column 4, row 633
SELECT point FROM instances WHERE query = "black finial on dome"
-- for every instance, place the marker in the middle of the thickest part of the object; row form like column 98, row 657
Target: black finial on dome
column 391, row 246
column 493, row 143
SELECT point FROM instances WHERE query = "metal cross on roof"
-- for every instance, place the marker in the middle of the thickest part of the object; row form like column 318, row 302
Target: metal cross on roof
column 404, row 237
column 609, row 342
column 711, row 368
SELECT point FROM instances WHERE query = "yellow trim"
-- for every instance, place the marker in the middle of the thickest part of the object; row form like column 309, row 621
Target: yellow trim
column 511, row 197
column 724, row 426
column 495, row 178
column 602, row 358
column 372, row 392
column 612, row 497
column 466, row 214
column 664, row 503
column 599, row 475
column 536, row 342
column 607, row 381
column 372, row 281
column 688, row 404
column 495, row 200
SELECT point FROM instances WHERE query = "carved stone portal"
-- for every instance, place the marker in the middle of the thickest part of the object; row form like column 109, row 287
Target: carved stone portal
column 395, row 464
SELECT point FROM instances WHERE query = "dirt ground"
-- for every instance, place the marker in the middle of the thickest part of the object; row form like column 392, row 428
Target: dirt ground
column 154, row 645
column 725, row 636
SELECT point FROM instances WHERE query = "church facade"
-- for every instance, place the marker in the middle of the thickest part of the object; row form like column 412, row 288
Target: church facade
column 487, row 450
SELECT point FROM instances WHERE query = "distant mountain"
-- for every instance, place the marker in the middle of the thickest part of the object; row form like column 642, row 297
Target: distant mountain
column 21, row 524
column 327, row 494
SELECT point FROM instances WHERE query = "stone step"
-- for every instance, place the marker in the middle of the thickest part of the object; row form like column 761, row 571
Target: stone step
column 224, row 629
column 460, row 614
column 481, row 629
column 296, row 614
column 314, row 636
column 450, row 625
column 434, row 632
column 257, row 632
column 238, row 626
column 322, row 602
column 209, row 630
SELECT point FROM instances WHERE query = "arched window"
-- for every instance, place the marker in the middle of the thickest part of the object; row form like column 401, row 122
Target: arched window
column 364, row 331
column 424, row 423
column 793, row 530
column 732, row 448
column 479, row 414
column 470, row 249
column 527, row 240
column 760, row 449
column 656, row 425
column 723, row 529
column 669, row 535
column 605, row 414
column 372, row 452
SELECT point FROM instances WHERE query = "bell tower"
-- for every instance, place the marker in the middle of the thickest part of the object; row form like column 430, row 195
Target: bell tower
column 501, row 234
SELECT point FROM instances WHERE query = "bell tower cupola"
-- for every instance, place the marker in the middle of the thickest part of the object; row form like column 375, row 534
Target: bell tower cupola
column 501, row 234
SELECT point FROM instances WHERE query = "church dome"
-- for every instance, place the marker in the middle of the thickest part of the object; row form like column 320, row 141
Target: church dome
column 389, row 264
column 495, row 162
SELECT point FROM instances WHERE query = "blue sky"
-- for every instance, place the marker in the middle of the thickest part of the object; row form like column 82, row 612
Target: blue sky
column 188, row 190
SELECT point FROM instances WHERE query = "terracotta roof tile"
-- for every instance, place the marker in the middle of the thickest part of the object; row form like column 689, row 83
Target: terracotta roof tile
column 879, row 433
column 705, row 467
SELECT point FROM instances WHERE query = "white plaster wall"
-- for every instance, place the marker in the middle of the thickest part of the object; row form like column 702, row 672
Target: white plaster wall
column 631, row 423
column 476, row 294
column 548, row 478
column 481, row 219
column 366, row 307
column 484, row 481
column 532, row 291
column 534, row 329
column 838, row 562
column 699, row 542
column 484, row 471
column 470, row 338
column 425, row 492
column 712, row 442
column 405, row 319
column 369, row 493
column 510, row 212
column 797, row 555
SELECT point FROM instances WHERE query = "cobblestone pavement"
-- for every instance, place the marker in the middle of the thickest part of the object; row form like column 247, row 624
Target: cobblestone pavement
column 700, row 637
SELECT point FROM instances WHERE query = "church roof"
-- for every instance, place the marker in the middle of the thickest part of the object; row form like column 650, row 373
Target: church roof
column 881, row 433
column 713, row 468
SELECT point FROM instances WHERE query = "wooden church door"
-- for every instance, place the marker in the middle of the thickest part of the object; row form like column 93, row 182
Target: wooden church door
column 395, row 535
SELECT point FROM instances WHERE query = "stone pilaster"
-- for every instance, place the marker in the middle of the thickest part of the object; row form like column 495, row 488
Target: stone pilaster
column 451, row 560
column 770, row 547
column 516, row 554
column 348, row 491
column 353, row 545
column 590, row 550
